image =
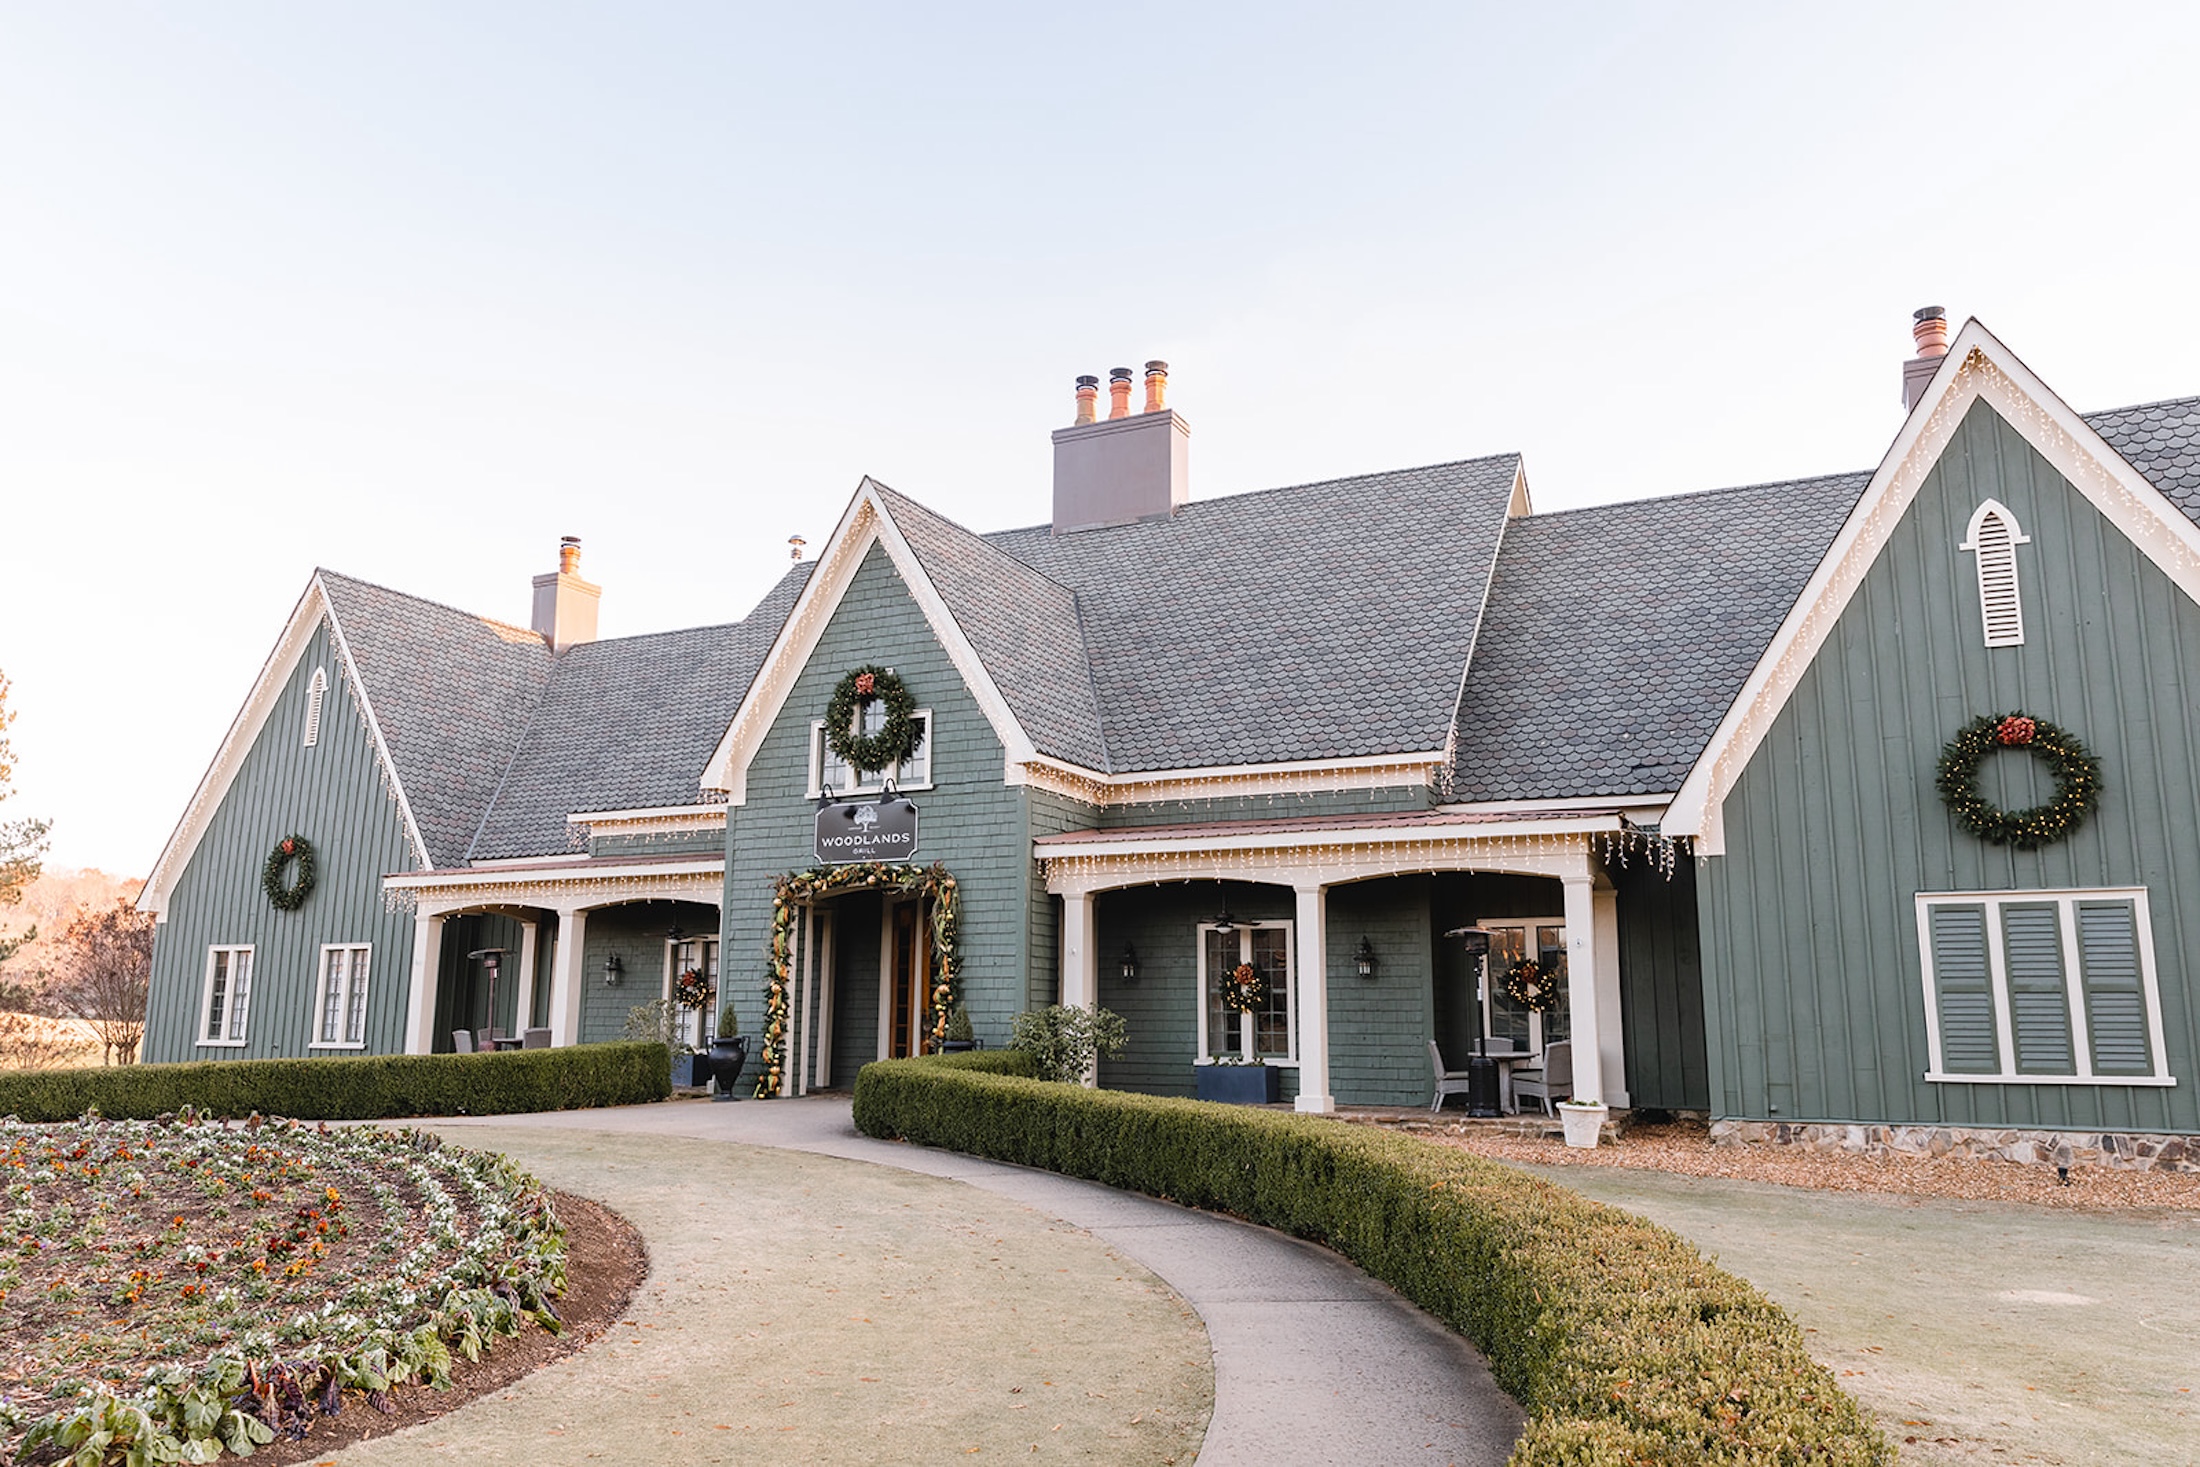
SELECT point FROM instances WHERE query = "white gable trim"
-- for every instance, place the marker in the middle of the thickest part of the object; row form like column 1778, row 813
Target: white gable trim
column 866, row 522
column 313, row 608
column 1977, row 366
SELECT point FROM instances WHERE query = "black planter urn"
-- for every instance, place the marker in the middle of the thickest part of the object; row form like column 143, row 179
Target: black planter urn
column 1239, row 1084
column 727, row 1059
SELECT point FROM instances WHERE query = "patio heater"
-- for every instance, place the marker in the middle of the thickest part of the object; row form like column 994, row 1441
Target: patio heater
column 491, row 959
column 1481, row 1069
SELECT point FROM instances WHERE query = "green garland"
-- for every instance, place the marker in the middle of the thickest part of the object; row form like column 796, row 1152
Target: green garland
column 1527, row 985
column 818, row 882
column 2077, row 780
column 896, row 741
column 288, row 897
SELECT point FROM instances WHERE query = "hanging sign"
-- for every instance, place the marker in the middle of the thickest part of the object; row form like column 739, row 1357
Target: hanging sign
column 866, row 830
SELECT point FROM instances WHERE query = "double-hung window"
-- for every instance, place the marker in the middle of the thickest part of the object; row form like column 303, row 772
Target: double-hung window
column 227, row 1000
column 828, row 771
column 1268, row 1033
column 2041, row 988
column 340, row 1007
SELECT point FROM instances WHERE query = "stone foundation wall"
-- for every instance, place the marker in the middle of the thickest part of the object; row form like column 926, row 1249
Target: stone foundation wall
column 2115, row 1150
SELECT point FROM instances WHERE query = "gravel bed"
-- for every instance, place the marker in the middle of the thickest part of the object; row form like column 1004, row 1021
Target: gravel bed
column 1686, row 1148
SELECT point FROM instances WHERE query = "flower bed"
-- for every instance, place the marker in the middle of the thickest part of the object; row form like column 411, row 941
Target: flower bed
column 172, row 1289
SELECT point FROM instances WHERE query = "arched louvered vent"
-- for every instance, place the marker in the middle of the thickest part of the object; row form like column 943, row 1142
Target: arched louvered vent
column 1994, row 538
column 315, row 692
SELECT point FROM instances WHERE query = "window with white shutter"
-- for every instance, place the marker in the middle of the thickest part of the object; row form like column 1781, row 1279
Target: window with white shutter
column 316, row 692
column 1993, row 537
column 2041, row 987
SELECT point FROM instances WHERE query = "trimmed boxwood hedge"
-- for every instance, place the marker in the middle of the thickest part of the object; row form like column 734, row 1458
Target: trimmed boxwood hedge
column 1624, row 1345
column 351, row 1088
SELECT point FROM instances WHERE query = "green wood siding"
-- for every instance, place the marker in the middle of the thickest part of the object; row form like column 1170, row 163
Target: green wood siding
column 1661, row 987
column 1161, row 1009
column 334, row 795
column 1379, row 1027
column 971, row 820
column 1264, row 807
column 635, row 932
column 1809, row 928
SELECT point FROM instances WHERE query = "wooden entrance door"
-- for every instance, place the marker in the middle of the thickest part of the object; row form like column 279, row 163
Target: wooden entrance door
column 908, row 1027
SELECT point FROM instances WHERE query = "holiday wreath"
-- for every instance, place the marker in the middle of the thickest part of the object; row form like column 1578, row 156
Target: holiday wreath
column 2077, row 780
column 895, row 741
column 1245, row 992
column 797, row 887
column 1527, row 985
column 288, row 896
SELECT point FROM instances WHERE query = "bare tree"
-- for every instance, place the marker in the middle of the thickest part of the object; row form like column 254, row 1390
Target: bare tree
column 22, row 842
column 106, row 965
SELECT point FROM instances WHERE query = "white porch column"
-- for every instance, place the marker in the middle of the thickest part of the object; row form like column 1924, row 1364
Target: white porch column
column 1611, row 1043
column 1080, row 959
column 420, row 999
column 1583, row 956
column 567, row 977
column 1313, row 978
column 523, row 1008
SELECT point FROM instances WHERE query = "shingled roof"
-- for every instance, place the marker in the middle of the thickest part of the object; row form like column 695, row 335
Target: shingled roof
column 1617, row 636
column 2162, row 441
column 1320, row 621
column 449, row 690
column 627, row 724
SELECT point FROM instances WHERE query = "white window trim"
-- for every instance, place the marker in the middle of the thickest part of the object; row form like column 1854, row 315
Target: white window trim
column 1493, row 977
column 817, row 763
column 703, row 1022
column 1287, row 1061
column 206, row 995
column 2013, row 634
column 2066, row 899
column 316, row 693
column 320, row 998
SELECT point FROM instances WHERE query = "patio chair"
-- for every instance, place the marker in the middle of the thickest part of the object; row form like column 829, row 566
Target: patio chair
column 1555, row 1081
column 462, row 1040
column 534, row 1039
column 1448, row 1082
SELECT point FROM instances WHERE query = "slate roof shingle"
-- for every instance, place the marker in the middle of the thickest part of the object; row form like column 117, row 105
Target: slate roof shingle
column 2162, row 441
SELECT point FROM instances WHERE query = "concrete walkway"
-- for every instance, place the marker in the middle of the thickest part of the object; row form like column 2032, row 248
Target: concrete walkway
column 1314, row 1363
column 1976, row 1331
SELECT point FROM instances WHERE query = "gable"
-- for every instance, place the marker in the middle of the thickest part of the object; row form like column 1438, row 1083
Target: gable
column 311, row 633
column 1978, row 370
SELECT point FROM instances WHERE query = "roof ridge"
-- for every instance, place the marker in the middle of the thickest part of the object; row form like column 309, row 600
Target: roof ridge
column 1551, row 514
column 322, row 570
column 1453, row 463
column 2138, row 406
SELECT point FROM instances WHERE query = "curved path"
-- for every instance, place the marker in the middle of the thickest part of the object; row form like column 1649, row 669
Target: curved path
column 1314, row 1362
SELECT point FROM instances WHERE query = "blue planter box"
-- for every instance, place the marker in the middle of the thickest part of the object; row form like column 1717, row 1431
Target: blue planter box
column 691, row 1069
column 1239, row 1084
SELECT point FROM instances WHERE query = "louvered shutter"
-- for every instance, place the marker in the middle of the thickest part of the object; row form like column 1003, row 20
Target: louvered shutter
column 2039, row 1000
column 2115, row 997
column 1963, row 981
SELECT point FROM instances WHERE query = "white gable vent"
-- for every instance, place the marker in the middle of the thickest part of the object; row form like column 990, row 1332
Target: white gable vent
column 315, row 692
column 1994, row 538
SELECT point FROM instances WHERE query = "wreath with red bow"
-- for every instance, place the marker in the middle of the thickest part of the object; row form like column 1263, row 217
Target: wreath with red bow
column 2077, row 780
column 1245, row 991
column 1529, row 986
column 896, row 739
column 288, row 896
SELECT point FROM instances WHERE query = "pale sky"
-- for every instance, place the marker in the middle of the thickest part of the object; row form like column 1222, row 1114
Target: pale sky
column 411, row 290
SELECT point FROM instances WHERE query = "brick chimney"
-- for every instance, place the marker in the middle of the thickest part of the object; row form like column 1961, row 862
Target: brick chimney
column 1930, row 328
column 565, row 605
column 1124, row 467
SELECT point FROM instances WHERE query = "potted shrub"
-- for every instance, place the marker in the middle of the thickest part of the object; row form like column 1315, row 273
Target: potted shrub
column 1584, row 1122
column 729, row 1053
column 961, row 1038
column 659, row 1020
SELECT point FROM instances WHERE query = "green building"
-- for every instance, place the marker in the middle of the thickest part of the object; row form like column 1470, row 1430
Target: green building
column 1678, row 761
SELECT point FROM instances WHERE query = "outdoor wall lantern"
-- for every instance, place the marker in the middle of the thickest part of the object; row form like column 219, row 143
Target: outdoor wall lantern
column 614, row 971
column 1366, row 959
column 1129, row 962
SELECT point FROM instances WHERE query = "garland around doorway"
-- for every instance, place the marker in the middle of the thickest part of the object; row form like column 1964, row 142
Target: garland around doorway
column 798, row 887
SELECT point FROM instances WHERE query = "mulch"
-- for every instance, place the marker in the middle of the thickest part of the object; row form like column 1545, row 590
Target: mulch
column 605, row 1262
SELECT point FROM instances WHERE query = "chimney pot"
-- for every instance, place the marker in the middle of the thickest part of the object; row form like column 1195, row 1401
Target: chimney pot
column 794, row 546
column 569, row 555
column 1088, row 399
column 1119, row 392
column 1157, row 383
column 1929, row 325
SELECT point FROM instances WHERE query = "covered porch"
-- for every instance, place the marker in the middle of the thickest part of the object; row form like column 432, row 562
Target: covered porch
column 1349, row 921
column 567, row 946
